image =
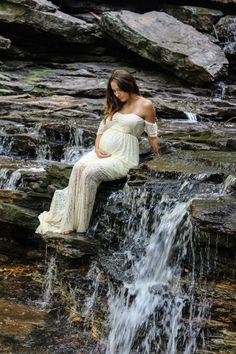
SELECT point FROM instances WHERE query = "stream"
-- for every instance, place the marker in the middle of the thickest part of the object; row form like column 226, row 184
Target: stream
column 146, row 294
column 156, row 272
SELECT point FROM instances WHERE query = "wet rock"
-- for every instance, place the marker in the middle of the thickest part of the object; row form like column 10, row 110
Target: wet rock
column 193, row 163
column 8, row 196
column 201, row 18
column 59, row 174
column 72, row 246
column 22, row 217
column 88, row 87
column 172, row 100
column 203, row 63
column 221, row 323
column 17, row 321
column 218, row 217
column 214, row 231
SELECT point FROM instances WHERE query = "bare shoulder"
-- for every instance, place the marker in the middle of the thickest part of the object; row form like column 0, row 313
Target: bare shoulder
column 148, row 110
column 146, row 103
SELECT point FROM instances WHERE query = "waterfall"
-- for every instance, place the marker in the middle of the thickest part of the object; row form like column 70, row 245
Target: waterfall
column 192, row 117
column 14, row 179
column 76, row 148
column 6, row 143
column 148, row 313
column 3, row 177
column 94, row 274
column 48, row 284
column 78, row 136
column 220, row 91
column 229, row 45
column 10, row 181
column 229, row 181
column 43, row 152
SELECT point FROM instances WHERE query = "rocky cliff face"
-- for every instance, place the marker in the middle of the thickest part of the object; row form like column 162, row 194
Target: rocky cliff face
column 53, row 74
column 195, row 55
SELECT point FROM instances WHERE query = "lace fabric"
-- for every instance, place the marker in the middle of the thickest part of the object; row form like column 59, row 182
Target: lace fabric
column 72, row 207
column 151, row 129
column 101, row 128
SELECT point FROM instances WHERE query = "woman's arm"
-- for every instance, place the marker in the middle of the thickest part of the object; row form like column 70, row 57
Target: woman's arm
column 150, row 120
column 155, row 145
column 100, row 153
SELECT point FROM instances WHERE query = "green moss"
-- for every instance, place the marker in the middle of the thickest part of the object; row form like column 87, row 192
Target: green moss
column 199, row 11
column 195, row 138
column 36, row 74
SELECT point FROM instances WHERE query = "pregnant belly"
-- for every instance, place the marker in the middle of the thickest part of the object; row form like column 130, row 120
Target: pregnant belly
column 112, row 141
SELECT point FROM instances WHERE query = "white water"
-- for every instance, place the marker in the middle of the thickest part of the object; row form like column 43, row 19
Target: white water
column 49, row 282
column 76, row 148
column 230, row 45
column 10, row 181
column 192, row 117
column 3, row 177
column 220, row 92
column 229, row 181
column 146, row 313
column 94, row 274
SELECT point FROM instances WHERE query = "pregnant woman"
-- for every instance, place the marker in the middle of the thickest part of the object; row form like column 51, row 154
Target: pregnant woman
column 126, row 116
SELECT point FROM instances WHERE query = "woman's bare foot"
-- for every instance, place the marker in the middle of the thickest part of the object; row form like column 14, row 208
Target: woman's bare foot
column 67, row 232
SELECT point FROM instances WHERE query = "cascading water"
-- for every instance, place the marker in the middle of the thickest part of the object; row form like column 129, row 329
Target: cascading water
column 3, row 177
column 93, row 273
column 153, row 312
column 49, row 280
column 11, row 180
column 192, row 117
column 229, row 181
column 76, row 147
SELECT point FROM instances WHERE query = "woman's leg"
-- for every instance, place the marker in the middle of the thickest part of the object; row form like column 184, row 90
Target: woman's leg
column 91, row 177
column 69, row 221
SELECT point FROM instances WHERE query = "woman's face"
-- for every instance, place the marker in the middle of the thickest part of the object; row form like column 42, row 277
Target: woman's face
column 121, row 95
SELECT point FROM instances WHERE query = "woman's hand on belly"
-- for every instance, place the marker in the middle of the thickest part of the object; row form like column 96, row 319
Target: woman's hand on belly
column 101, row 154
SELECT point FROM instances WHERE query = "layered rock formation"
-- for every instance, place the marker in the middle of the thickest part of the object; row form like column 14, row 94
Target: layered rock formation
column 187, row 57
column 49, row 114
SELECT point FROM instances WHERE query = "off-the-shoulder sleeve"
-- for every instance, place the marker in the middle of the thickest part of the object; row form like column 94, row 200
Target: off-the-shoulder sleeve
column 151, row 129
column 101, row 128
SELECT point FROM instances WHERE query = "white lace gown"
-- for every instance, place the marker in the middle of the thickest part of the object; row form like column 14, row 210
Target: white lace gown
column 71, row 208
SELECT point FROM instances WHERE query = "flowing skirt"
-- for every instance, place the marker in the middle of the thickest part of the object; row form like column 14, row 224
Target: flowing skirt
column 72, row 207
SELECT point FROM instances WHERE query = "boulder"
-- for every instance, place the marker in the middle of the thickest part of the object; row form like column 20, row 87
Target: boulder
column 69, row 28
column 177, row 47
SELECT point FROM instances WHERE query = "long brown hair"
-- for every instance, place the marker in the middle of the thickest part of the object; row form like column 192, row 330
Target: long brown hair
column 126, row 82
